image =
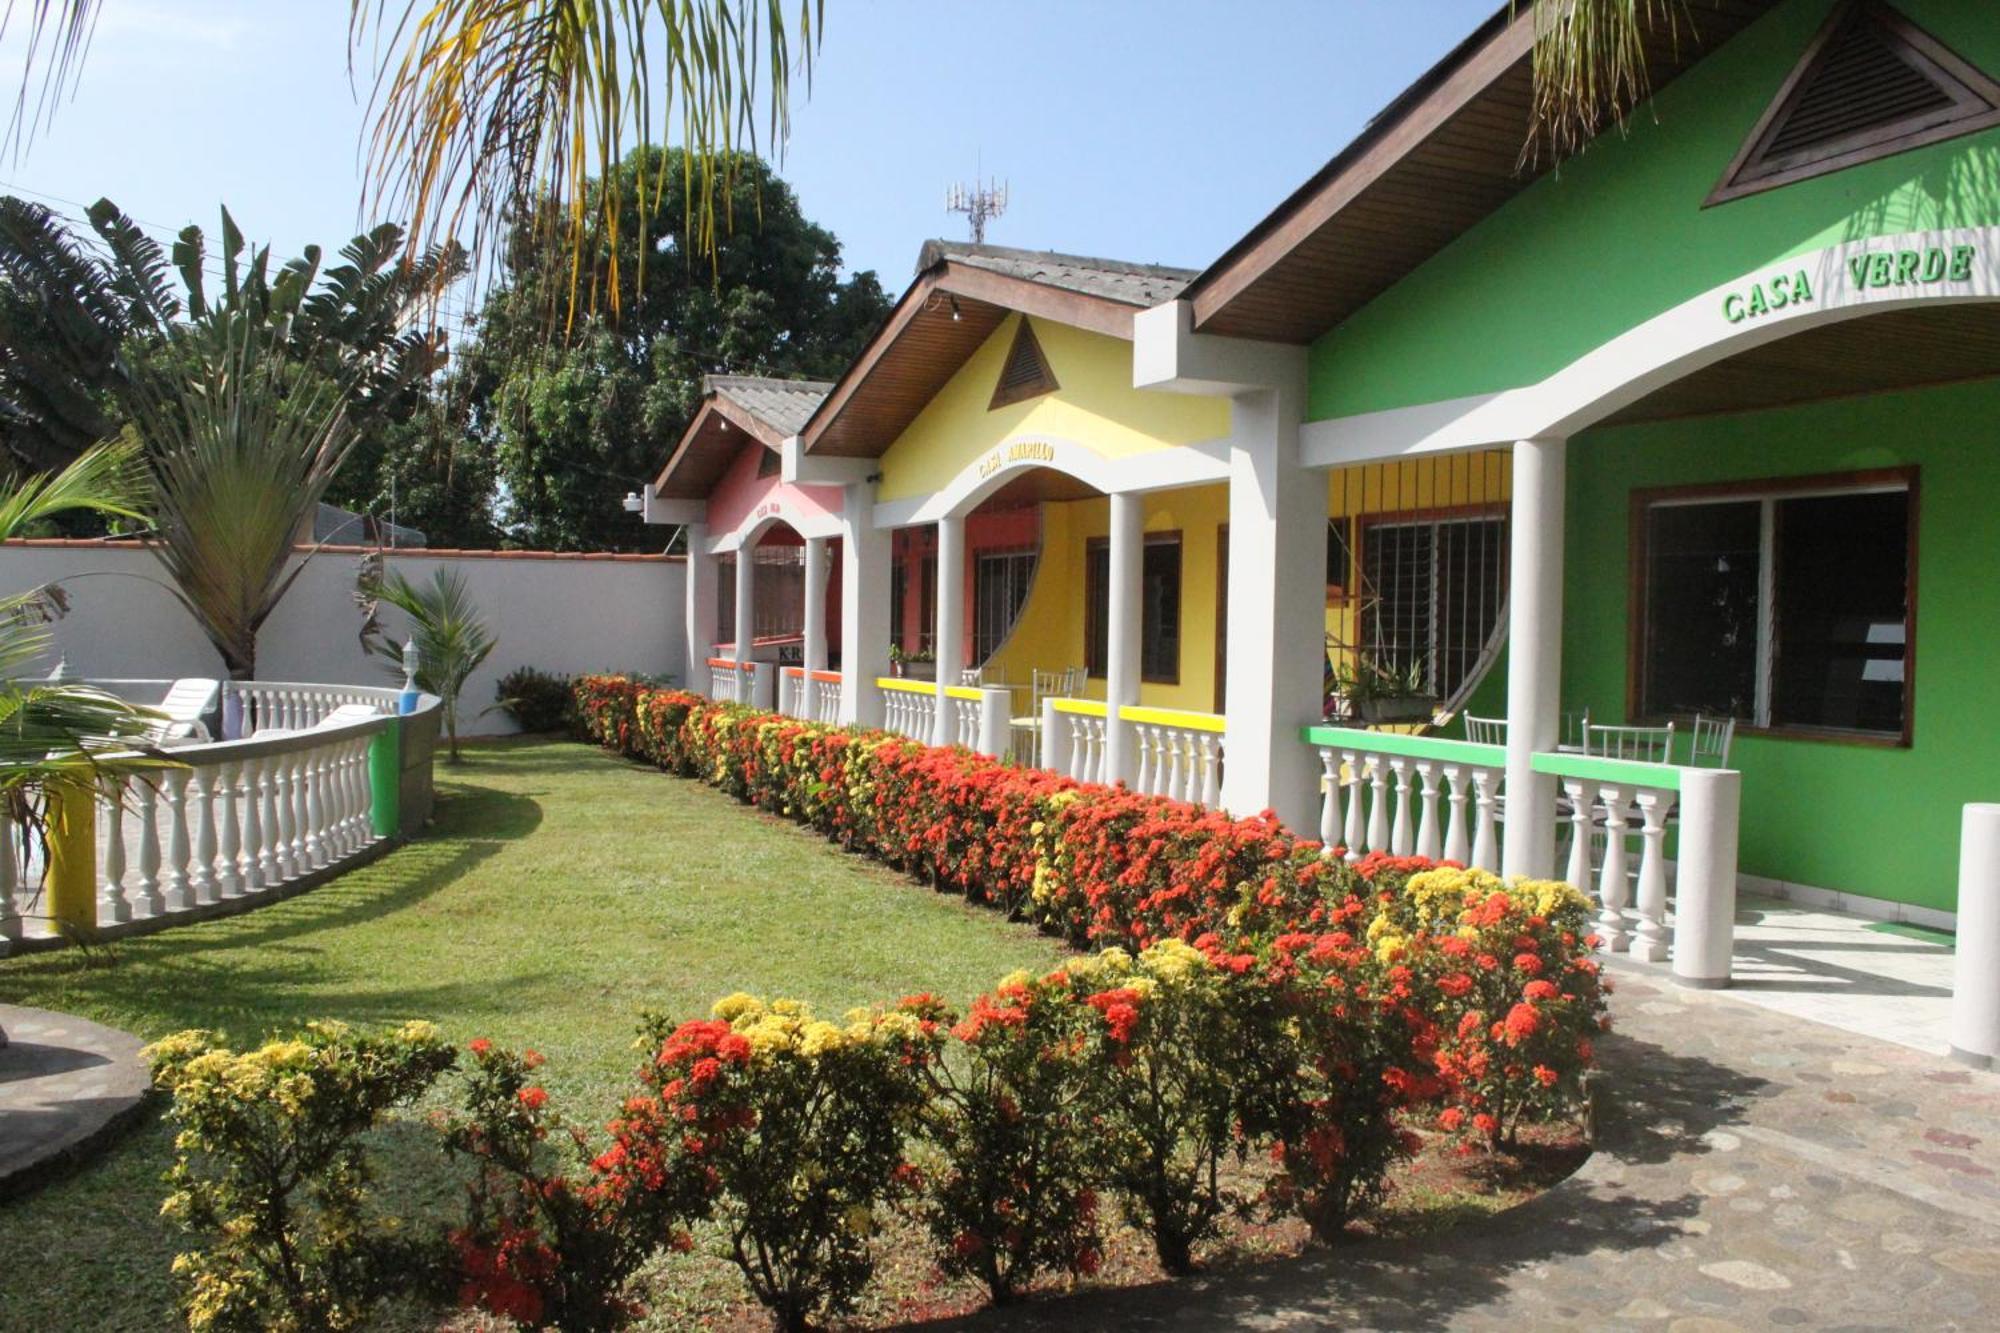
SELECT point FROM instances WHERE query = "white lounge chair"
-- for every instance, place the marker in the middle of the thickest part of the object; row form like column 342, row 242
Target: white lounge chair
column 188, row 701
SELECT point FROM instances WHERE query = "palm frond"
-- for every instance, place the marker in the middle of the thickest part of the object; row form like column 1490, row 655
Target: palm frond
column 138, row 271
column 240, row 452
column 106, row 479
column 498, row 110
column 452, row 640
column 57, row 41
column 1590, row 66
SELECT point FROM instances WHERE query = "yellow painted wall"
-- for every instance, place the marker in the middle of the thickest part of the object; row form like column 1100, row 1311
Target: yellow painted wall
column 1096, row 406
column 1049, row 633
column 1383, row 490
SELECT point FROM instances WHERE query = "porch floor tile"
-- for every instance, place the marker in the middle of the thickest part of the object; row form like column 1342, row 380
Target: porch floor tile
column 1842, row 970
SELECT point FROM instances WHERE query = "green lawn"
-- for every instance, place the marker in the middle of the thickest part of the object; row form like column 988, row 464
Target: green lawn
column 557, row 894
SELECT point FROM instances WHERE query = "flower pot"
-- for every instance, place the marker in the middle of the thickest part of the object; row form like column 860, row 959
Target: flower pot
column 1395, row 710
column 920, row 670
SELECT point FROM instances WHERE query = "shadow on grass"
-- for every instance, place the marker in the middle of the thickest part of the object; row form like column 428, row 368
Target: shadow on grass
column 196, row 975
column 1664, row 1106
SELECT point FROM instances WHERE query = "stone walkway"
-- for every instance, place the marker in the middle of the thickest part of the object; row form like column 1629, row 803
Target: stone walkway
column 64, row 1083
column 1754, row 1171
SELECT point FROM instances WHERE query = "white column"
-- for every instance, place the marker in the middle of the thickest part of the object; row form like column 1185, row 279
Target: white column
column 1123, row 634
column 1534, row 654
column 1277, row 612
column 1705, row 876
column 701, row 606
column 950, row 638
column 746, row 600
column 814, row 630
column 864, row 607
column 1975, row 988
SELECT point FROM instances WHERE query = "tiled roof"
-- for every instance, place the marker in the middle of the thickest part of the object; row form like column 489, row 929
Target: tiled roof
column 782, row 404
column 1143, row 285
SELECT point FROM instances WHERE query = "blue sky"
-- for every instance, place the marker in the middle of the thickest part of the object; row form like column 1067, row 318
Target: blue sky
column 1156, row 131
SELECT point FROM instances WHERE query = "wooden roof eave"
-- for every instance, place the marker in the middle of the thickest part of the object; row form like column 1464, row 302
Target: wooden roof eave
column 716, row 408
column 1344, row 179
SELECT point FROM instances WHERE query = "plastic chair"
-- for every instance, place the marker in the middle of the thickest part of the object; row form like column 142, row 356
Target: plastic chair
column 187, row 704
column 1709, row 742
column 1646, row 745
column 1486, row 730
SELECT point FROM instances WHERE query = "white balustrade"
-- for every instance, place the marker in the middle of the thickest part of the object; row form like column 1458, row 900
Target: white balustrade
column 1179, row 754
column 286, row 706
column 909, row 708
column 825, row 695
column 964, row 704
column 1409, row 796
column 1426, row 796
column 226, row 821
column 725, row 681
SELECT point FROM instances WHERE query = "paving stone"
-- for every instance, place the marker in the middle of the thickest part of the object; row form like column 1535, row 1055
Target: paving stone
column 66, row 1086
column 1743, row 1273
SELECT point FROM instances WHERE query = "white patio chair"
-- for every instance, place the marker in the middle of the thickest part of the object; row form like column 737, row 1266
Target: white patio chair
column 1646, row 745
column 188, row 701
column 1485, row 730
column 1710, row 740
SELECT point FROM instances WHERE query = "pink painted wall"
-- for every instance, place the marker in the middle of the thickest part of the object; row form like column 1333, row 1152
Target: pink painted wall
column 741, row 492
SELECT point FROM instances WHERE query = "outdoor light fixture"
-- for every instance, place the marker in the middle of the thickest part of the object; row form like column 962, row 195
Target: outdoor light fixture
column 954, row 310
column 633, row 504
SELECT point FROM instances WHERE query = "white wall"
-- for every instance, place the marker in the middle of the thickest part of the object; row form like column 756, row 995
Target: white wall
column 562, row 613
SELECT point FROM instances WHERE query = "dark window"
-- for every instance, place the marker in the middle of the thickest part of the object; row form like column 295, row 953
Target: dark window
column 899, row 588
column 927, row 604
column 1000, row 582
column 725, row 599
column 1159, row 608
column 1813, row 636
column 1339, row 559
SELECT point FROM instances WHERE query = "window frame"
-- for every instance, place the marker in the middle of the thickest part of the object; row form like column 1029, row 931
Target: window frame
column 1434, row 517
column 1094, row 593
column 1906, row 479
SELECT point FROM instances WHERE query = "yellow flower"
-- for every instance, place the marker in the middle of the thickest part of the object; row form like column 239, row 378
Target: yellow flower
column 1173, row 960
column 860, row 1220
column 820, row 1038
column 740, row 1005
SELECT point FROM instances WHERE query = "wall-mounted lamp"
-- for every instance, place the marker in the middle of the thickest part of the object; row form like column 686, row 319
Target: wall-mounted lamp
column 633, row 504
column 955, row 316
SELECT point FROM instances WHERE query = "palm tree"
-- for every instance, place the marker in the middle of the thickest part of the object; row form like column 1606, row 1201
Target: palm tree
column 452, row 641
column 240, row 445
column 83, row 309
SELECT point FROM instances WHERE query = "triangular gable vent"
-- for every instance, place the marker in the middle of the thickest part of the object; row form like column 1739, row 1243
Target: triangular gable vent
column 1871, row 83
column 1026, row 373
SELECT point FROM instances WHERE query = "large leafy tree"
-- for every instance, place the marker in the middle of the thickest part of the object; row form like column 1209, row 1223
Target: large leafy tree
column 84, row 312
column 578, row 421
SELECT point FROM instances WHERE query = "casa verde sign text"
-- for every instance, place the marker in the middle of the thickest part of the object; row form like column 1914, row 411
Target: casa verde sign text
column 1873, row 268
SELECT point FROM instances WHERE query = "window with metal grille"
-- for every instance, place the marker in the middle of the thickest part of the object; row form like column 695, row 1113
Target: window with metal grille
column 899, row 589
column 1786, row 605
column 1871, row 83
column 1159, row 608
column 927, row 604
column 1432, row 595
column 1000, row 583
column 1026, row 373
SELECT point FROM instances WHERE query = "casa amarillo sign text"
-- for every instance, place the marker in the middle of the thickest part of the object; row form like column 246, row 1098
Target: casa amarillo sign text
column 1021, row 451
column 1873, row 268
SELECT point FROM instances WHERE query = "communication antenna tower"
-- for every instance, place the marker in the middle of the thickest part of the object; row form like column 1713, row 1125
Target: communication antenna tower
column 978, row 204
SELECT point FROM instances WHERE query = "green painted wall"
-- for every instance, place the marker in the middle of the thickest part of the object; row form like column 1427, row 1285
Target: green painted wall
column 1619, row 235
column 1861, row 819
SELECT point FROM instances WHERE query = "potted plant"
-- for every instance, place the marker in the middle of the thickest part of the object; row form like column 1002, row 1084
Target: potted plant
column 1383, row 694
column 920, row 665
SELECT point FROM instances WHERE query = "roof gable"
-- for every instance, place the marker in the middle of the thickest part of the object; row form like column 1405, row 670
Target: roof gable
column 961, row 294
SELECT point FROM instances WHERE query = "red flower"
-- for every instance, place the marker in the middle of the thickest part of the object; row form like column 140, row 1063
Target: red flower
column 1523, row 1020
column 533, row 1097
column 1540, row 990
column 1546, row 1076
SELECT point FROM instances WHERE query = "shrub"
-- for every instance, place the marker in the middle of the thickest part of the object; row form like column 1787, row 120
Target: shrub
column 1366, row 1051
column 1189, row 1050
column 535, row 700
column 790, row 1129
column 271, row 1173
column 1015, row 1124
column 1506, row 972
column 545, row 1244
column 605, row 711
